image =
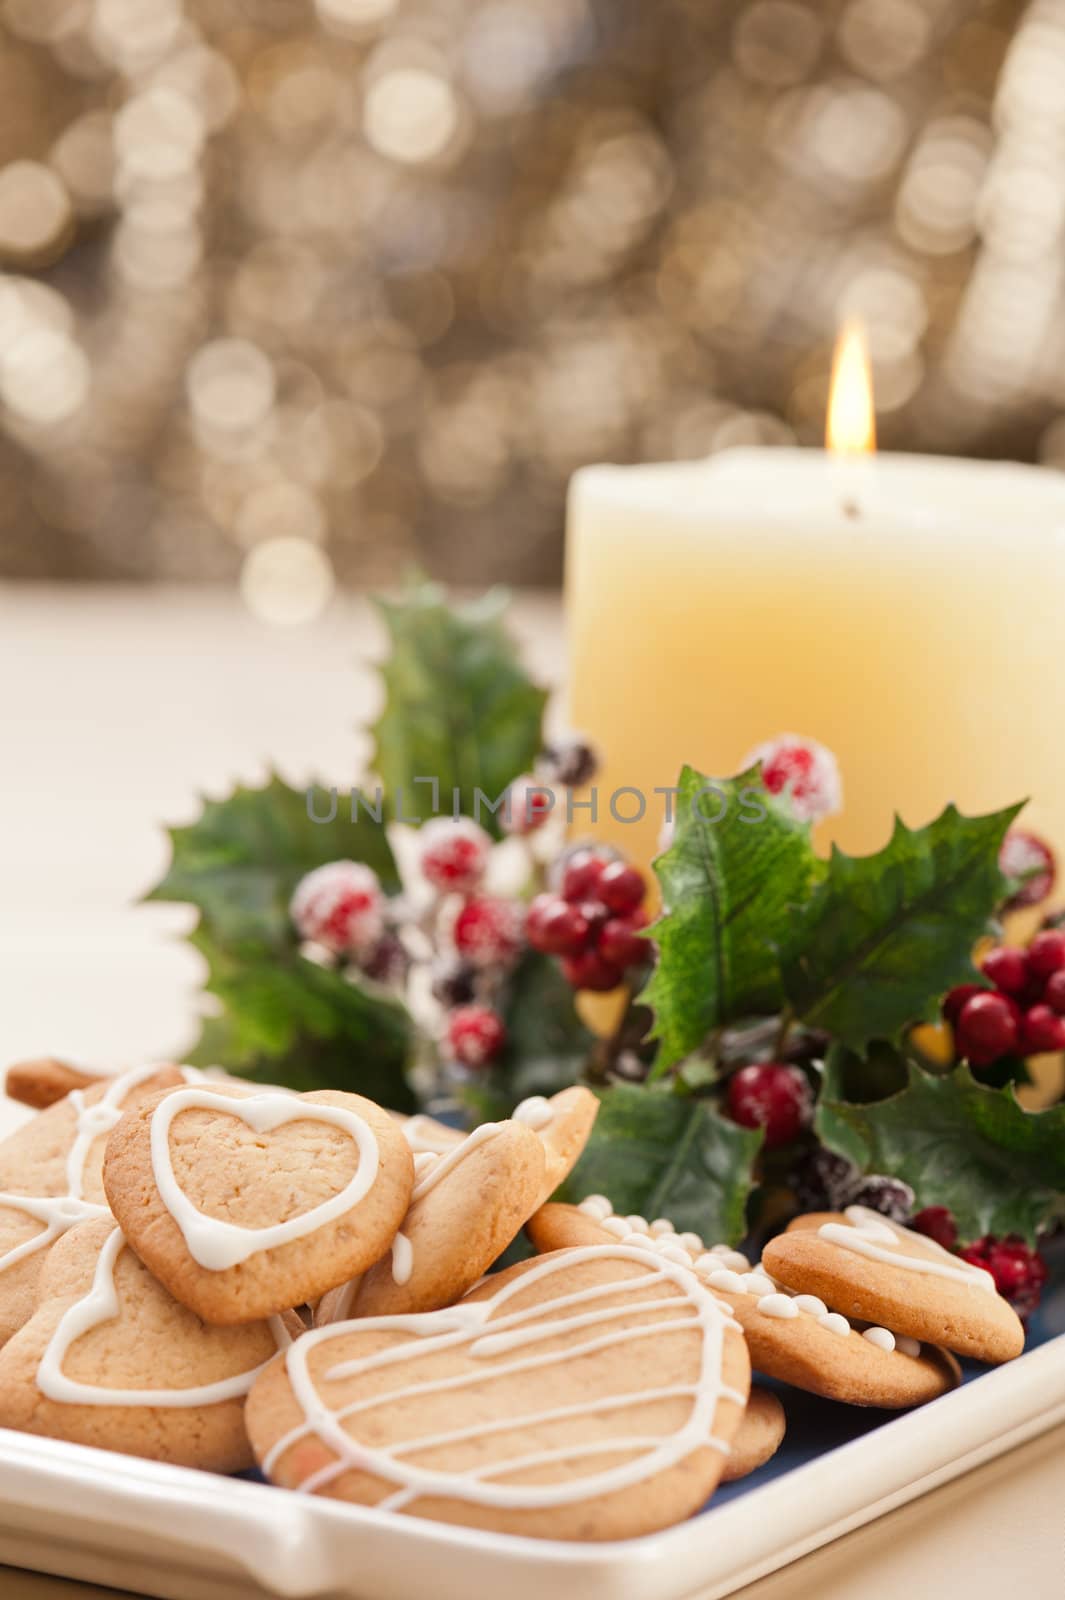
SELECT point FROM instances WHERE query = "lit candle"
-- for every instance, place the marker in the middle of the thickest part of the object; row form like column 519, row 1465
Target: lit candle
column 906, row 611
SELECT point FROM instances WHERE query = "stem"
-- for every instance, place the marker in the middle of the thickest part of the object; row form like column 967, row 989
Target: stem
column 787, row 1022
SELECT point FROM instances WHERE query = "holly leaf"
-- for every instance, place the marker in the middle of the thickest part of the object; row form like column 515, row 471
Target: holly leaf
column 662, row 1154
column 460, row 713
column 999, row 1169
column 239, row 862
column 885, row 936
column 738, row 861
column 547, row 1043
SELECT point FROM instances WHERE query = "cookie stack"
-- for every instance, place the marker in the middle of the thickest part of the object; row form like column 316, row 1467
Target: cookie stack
column 203, row 1271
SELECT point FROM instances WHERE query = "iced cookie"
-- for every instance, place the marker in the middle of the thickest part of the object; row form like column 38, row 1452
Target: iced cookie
column 246, row 1204
column 110, row 1359
column 426, row 1136
column 50, row 1178
column 563, row 1122
column 465, row 1209
column 795, row 1338
column 590, row 1394
column 759, row 1437
column 871, row 1268
column 42, row 1082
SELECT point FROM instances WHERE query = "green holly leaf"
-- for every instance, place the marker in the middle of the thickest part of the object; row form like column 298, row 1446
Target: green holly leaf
column 547, row 1046
column 240, row 861
column 662, row 1154
column 460, row 710
column 885, row 936
column 727, row 888
column 999, row 1169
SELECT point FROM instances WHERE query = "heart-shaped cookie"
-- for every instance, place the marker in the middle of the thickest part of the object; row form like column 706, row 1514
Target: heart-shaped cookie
column 247, row 1204
column 110, row 1359
column 590, row 1394
column 50, row 1178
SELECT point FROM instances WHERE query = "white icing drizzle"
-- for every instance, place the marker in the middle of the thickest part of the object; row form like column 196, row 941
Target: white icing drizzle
column 430, row 1175
column 882, row 1338
column 402, row 1259
column 535, row 1113
column 217, row 1244
column 778, row 1305
column 870, row 1234
column 484, row 1333
column 100, row 1305
column 907, row 1346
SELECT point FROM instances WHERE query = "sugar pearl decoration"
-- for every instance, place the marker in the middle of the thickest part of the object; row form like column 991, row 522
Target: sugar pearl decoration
column 638, row 1224
column 724, row 1278
column 883, row 1338
column 907, row 1346
column 674, row 1253
column 727, row 1257
column 691, row 1242
column 778, row 1305
column 596, row 1205
column 662, row 1225
column 758, row 1283
column 834, row 1323
column 617, row 1226
column 810, row 1303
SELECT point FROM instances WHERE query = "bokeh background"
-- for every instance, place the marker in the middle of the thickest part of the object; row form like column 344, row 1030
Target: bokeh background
column 296, row 294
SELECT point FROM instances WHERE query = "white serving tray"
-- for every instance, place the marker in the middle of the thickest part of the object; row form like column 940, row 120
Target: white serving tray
column 173, row 1532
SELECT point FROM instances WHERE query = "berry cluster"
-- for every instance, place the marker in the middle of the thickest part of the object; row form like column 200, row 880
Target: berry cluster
column 825, row 1181
column 593, row 921
column 1019, row 1271
column 1023, row 1013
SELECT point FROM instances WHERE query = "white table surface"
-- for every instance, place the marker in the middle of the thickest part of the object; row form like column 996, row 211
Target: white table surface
column 118, row 707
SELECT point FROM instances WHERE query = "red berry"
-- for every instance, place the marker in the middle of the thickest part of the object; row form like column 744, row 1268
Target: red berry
column 772, row 1096
column 620, row 887
column 475, row 1035
column 596, row 915
column 986, row 1028
column 1042, row 1031
column 527, row 807
column 1054, row 993
column 937, row 1223
column 341, row 907
column 590, row 971
column 1019, row 1272
column 805, row 770
column 556, row 927
column 1046, row 953
column 1026, row 856
column 620, row 942
column 955, row 999
column 488, row 932
column 581, row 874
column 1007, row 969
column 454, row 853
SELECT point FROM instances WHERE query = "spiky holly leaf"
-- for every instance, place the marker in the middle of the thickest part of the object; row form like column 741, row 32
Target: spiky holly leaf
column 666, row 1155
column 998, row 1168
column 460, row 713
column 239, row 862
column 739, row 860
column 547, row 1043
column 885, row 936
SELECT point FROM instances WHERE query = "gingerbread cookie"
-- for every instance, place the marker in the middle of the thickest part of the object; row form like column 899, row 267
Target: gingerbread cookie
column 872, row 1268
column 50, row 1178
column 110, row 1359
column 589, row 1394
column 563, row 1122
column 40, row 1083
column 795, row 1338
column 760, row 1435
column 426, row 1136
column 247, row 1204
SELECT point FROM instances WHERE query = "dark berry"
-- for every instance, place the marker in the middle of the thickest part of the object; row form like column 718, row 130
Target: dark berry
column 986, row 1028
column 937, row 1223
column 955, row 999
column 1026, row 857
column 890, row 1196
column 581, row 874
column 772, row 1096
column 1007, row 969
column 590, row 971
column 620, row 887
column 1019, row 1272
column 454, row 981
column 1042, row 1031
column 1054, row 993
column 388, row 962
column 475, row 1035
column 571, row 763
column 489, row 932
column 824, row 1181
column 1046, row 953
column 556, row 927
column 620, row 943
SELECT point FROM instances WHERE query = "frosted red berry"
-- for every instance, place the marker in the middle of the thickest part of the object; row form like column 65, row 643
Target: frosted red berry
column 340, row 906
column 581, row 874
column 772, row 1096
column 454, row 853
column 1019, row 1271
column 556, row 927
column 803, row 769
column 1026, row 857
column 1054, row 993
column 488, row 932
column 1007, row 969
column 620, row 941
column 475, row 1035
column 956, row 999
column 1046, row 953
column 1042, row 1031
column 937, row 1222
column 986, row 1028
column 620, row 887
column 527, row 806
column 591, row 971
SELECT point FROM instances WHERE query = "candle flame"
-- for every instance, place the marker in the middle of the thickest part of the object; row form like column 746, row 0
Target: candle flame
column 851, row 429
